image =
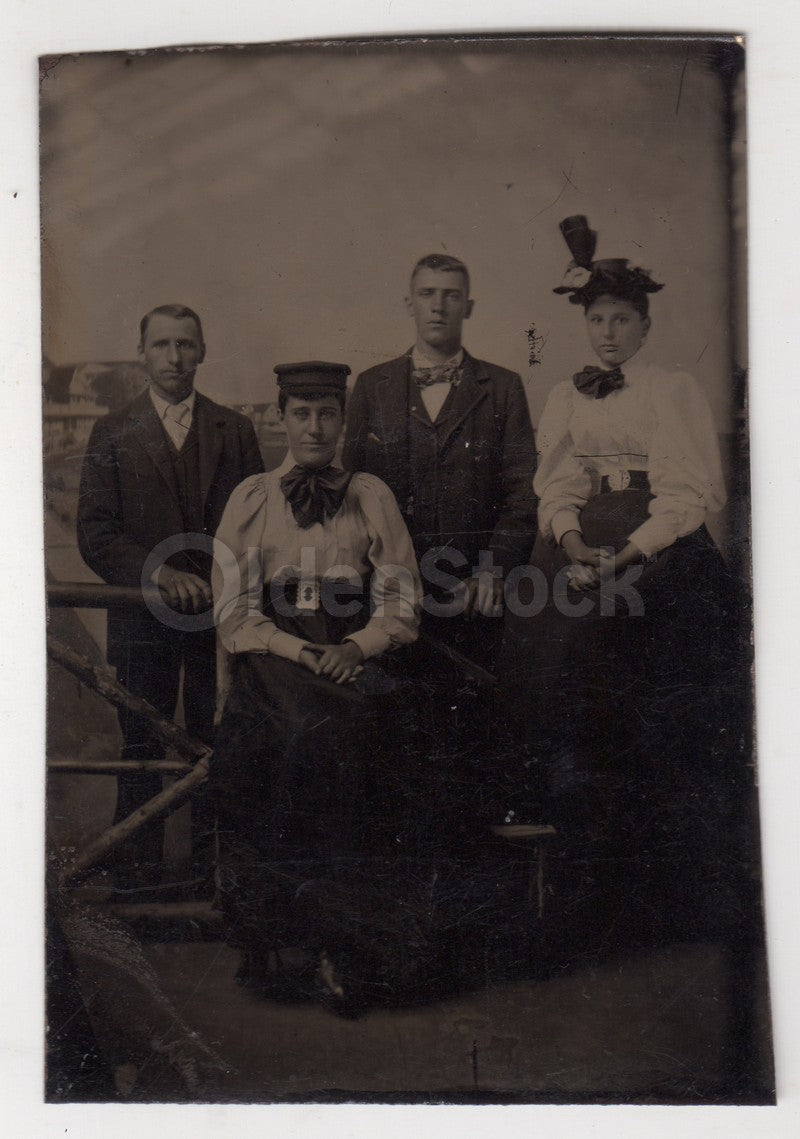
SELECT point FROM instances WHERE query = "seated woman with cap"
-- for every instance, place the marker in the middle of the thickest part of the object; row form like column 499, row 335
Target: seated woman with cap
column 616, row 680
column 314, row 578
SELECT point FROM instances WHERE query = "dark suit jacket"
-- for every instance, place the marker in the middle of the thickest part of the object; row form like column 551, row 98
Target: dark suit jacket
column 128, row 500
column 484, row 465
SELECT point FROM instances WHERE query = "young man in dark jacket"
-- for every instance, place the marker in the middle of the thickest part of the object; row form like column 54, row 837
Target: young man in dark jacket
column 451, row 435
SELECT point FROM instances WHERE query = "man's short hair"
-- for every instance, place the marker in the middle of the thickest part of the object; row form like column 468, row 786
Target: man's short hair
column 177, row 312
column 444, row 263
column 313, row 397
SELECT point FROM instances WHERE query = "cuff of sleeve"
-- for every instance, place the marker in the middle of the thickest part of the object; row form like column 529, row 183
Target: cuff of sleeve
column 285, row 645
column 650, row 539
column 370, row 640
column 563, row 521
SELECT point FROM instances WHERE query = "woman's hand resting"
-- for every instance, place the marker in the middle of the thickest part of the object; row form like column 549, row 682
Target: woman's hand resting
column 341, row 663
column 589, row 563
column 580, row 554
column 592, row 565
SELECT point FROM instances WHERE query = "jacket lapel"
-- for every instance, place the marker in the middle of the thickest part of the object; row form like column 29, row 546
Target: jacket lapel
column 473, row 389
column 210, row 429
column 392, row 398
column 414, row 405
column 146, row 429
column 392, row 427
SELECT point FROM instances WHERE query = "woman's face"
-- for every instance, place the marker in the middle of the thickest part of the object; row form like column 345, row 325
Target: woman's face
column 616, row 330
column 313, row 428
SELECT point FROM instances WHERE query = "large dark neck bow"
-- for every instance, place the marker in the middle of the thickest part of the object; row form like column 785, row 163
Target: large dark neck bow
column 597, row 382
column 314, row 492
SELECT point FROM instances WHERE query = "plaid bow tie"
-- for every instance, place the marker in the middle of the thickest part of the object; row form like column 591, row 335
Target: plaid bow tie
column 314, row 493
column 597, row 382
column 438, row 374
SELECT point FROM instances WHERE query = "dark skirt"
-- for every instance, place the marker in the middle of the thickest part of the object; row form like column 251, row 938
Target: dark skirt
column 631, row 722
column 667, row 629
column 334, row 816
column 300, row 776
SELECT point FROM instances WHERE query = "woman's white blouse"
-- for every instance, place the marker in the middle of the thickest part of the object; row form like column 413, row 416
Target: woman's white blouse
column 259, row 539
column 659, row 422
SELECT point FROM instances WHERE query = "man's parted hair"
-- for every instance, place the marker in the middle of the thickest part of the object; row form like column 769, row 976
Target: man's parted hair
column 444, row 263
column 176, row 312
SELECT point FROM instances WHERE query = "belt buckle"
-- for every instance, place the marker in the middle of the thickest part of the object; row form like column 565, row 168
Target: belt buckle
column 619, row 480
column 307, row 596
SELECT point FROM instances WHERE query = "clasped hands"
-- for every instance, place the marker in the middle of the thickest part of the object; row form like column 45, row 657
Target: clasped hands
column 592, row 565
column 341, row 663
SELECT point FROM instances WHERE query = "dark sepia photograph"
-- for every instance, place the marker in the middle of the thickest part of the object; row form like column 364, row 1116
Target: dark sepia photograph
column 400, row 715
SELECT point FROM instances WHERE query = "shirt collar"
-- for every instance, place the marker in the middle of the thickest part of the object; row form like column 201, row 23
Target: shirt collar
column 420, row 361
column 289, row 463
column 161, row 405
column 632, row 369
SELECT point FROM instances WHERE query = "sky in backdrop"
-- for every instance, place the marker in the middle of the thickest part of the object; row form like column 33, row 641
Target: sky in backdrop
column 285, row 194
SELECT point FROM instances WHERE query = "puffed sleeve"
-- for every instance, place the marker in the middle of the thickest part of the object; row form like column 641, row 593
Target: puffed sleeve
column 685, row 469
column 237, row 577
column 561, row 482
column 396, row 590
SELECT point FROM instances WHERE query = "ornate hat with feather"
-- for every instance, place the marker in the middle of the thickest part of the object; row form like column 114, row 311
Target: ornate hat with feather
column 587, row 279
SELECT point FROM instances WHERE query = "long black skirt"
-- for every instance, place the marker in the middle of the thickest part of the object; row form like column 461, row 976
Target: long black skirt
column 629, row 716
column 336, row 827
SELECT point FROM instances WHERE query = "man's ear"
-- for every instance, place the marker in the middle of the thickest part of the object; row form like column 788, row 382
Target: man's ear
column 202, row 353
column 409, row 306
column 470, row 306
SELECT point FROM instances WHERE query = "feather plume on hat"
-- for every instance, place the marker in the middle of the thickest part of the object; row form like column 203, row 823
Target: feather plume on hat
column 586, row 279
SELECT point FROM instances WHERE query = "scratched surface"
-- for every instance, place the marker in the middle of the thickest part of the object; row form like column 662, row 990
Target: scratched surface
column 644, row 1027
column 329, row 196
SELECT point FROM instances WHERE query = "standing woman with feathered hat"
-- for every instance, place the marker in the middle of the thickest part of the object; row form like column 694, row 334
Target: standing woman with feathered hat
column 616, row 685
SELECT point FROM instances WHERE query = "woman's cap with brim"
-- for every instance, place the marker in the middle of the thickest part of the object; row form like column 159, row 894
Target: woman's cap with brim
column 312, row 376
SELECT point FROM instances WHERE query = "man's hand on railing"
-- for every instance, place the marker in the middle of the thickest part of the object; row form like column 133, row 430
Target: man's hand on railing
column 184, row 591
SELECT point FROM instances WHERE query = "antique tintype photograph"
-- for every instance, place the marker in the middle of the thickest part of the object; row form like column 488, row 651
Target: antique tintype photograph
column 400, row 732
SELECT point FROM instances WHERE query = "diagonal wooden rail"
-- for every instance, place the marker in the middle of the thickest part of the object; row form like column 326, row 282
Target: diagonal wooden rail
column 196, row 757
column 192, row 751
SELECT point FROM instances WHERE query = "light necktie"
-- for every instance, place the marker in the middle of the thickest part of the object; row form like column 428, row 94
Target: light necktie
column 177, row 421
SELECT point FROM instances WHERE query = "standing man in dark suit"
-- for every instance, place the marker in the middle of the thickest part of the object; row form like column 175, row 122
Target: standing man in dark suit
column 452, row 437
column 155, row 481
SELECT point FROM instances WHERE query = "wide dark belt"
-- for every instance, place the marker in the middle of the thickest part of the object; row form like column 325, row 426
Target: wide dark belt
column 625, row 480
